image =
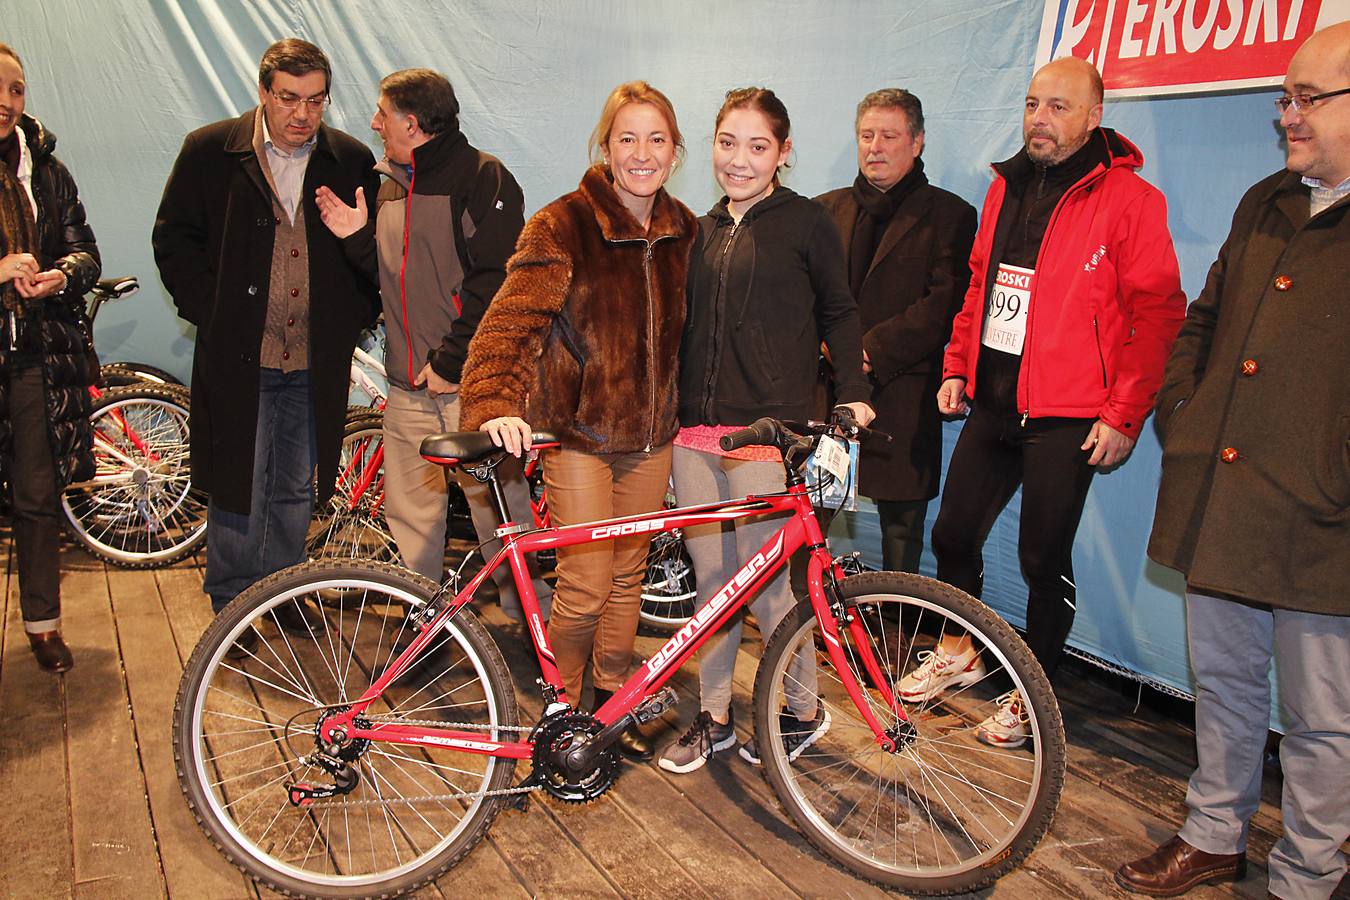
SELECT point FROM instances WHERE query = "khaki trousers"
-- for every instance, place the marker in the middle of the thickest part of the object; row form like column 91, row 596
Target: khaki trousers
column 416, row 493
column 598, row 592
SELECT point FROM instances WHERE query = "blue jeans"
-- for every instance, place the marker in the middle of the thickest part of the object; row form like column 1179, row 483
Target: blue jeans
column 242, row 549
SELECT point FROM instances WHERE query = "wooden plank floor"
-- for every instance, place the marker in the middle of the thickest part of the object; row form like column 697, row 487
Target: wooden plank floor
column 91, row 806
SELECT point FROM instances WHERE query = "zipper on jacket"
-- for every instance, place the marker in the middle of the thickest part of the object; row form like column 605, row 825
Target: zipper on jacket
column 1101, row 357
column 1081, row 184
column 651, row 330
column 714, row 356
column 651, row 347
column 403, row 267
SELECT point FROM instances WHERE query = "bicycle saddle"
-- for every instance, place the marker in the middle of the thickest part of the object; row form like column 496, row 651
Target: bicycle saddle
column 471, row 447
column 114, row 288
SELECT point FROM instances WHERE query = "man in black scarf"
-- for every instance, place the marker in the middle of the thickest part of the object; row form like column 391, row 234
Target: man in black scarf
column 908, row 245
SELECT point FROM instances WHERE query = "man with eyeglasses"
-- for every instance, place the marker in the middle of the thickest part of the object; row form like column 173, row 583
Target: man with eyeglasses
column 277, row 307
column 1254, row 506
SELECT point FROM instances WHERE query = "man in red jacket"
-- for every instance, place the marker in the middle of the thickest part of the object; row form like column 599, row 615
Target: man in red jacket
column 1074, row 301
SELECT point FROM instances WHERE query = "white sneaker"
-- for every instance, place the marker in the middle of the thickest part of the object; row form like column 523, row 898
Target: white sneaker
column 1007, row 727
column 938, row 671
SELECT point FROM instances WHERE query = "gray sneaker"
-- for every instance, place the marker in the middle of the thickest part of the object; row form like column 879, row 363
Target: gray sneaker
column 797, row 735
column 704, row 738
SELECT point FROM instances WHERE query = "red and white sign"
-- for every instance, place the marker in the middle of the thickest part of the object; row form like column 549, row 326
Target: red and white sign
column 1145, row 47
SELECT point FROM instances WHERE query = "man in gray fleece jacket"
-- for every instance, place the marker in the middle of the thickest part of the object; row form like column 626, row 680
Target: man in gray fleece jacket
column 446, row 221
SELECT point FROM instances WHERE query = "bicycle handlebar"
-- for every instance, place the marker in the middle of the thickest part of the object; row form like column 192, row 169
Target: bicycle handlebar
column 761, row 431
column 783, row 435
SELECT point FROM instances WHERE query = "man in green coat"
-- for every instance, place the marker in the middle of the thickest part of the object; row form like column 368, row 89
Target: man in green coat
column 1254, row 506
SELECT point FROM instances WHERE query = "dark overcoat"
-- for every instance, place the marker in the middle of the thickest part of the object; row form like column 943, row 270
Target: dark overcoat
column 908, row 299
column 1254, row 412
column 213, row 244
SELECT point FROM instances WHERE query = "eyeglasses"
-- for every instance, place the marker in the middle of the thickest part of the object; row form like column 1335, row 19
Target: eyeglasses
column 290, row 101
column 1304, row 102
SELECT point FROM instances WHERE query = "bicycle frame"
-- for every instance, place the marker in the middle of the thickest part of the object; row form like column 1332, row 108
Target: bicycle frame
column 801, row 529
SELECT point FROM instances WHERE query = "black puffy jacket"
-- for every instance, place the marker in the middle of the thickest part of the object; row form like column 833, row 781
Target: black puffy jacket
column 66, row 242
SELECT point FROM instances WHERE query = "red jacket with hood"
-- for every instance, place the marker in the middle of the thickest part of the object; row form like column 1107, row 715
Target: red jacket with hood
column 1106, row 299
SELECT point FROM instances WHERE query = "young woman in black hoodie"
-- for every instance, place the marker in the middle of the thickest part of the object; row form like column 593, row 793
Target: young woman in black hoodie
column 767, row 281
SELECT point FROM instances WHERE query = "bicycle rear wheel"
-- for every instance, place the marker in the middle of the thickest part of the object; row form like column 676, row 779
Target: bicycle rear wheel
column 946, row 813
column 140, row 510
column 253, row 694
column 352, row 524
column 122, row 374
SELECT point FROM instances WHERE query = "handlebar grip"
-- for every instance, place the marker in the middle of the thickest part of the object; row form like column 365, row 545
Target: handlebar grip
column 761, row 431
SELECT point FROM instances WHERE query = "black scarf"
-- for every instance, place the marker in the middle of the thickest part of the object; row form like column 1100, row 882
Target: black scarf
column 875, row 210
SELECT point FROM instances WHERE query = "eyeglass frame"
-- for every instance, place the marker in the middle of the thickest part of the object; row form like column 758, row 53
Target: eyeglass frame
column 313, row 104
column 1304, row 102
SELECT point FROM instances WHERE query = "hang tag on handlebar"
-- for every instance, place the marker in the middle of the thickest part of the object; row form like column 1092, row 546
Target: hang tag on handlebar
column 832, row 474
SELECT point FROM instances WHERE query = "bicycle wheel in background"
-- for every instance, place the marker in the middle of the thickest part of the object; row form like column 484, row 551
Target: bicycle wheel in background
column 669, row 595
column 352, row 524
column 124, row 374
column 946, row 813
column 140, row 510
column 252, row 696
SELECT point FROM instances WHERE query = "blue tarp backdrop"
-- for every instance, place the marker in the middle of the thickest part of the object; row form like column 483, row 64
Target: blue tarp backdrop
column 121, row 83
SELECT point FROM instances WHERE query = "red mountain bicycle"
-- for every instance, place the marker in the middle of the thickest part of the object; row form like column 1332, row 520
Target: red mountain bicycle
column 370, row 756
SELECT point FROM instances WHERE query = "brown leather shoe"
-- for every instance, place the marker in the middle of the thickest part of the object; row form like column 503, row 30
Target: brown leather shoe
column 51, row 652
column 1176, row 867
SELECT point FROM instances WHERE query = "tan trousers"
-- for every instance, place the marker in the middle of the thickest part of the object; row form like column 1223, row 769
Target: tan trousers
column 598, row 593
column 417, row 493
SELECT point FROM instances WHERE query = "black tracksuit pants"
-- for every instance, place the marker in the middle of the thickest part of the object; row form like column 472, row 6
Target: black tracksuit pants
column 994, row 454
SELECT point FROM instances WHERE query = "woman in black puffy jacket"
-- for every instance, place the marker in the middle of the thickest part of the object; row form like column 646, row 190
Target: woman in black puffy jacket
column 48, row 260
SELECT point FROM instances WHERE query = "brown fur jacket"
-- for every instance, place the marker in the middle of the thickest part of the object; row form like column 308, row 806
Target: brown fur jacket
column 583, row 338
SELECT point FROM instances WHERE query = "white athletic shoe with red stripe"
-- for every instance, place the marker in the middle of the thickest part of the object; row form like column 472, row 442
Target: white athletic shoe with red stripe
column 1007, row 727
column 938, row 671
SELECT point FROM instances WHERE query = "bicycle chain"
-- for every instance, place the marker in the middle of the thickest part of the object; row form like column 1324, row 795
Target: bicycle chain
column 462, row 795
column 438, row 723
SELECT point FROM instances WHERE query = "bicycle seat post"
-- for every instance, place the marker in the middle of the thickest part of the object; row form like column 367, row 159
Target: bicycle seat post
column 498, row 498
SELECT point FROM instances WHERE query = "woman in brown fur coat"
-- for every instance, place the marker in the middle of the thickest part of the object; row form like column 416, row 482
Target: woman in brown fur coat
column 583, row 340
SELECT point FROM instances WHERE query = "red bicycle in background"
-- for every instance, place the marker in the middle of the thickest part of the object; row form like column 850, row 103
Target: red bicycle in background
column 374, row 754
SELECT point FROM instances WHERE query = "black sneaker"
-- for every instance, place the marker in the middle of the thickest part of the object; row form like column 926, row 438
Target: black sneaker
column 797, row 735
column 298, row 619
column 704, row 738
column 244, row 646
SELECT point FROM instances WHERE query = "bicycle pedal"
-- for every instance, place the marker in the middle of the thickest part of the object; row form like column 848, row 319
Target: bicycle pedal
column 656, row 705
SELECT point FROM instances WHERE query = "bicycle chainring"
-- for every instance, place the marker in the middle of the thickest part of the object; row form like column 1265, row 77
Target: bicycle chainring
column 552, row 737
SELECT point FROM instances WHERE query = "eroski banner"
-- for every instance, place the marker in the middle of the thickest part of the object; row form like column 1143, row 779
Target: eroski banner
column 1147, row 47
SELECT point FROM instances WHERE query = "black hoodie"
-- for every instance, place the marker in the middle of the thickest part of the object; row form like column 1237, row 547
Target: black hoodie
column 762, row 295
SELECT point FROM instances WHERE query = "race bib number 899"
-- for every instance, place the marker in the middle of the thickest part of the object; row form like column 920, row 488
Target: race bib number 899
column 1005, row 313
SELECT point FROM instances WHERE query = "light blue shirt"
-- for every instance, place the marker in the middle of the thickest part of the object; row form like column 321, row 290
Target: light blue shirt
column 287, row 168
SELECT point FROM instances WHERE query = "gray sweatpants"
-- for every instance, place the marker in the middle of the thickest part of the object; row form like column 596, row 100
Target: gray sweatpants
column 718, row 551
column 1231, row 646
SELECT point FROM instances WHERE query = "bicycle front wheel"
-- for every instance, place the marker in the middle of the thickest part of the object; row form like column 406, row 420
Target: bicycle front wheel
column 946, row 813
column 281, row 657
column 140, row 509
